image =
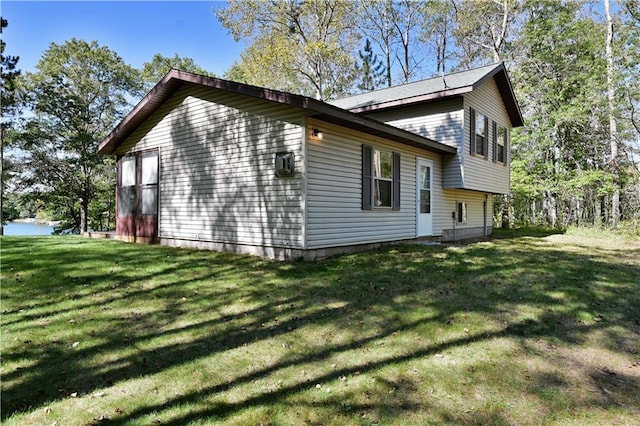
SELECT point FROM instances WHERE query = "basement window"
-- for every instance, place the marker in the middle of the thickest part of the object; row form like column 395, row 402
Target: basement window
column 462, row 213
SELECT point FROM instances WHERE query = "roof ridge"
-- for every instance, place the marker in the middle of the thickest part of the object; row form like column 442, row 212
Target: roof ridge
column 492, row 66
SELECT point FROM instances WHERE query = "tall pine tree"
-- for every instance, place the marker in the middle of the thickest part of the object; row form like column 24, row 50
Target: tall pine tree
column 372, row 70
column 8, row 74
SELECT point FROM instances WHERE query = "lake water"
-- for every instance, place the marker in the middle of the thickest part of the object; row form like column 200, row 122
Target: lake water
column 20, row 228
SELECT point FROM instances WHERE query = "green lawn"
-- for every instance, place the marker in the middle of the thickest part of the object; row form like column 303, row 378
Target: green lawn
column 538, row 329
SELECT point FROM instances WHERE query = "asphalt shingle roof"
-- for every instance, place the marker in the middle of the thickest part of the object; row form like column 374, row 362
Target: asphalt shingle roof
column 437, row 87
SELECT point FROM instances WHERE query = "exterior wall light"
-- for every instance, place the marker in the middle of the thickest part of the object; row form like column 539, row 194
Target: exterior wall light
column 316, row 134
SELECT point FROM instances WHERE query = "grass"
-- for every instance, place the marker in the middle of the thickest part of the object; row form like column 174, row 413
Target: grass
column 529, row 328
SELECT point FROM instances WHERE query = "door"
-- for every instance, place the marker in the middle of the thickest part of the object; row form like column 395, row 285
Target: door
column 138, row 196
column 424, row 182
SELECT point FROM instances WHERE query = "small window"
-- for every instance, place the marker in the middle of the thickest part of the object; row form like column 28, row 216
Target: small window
column 128, row 171
column 481, row 134
column 478, row 133
column 149, row 199
column 149, row 168
column 501, row 151
column 382, row 178
column 462, row 213
column 425, row 189
column 127, row 188
column 126, row 200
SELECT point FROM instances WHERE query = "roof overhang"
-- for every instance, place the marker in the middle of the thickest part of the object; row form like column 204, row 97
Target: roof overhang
column 314, row 108
column 499, row 73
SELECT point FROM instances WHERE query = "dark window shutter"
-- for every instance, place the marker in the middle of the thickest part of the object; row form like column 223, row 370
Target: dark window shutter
column 367, row 178
column 396, row 181
column 494, row 138
column 485, row 144
column 472, row 131
column 506, row 146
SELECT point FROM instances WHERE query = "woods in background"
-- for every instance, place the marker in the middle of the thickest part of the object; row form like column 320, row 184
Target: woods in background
column 575, row 68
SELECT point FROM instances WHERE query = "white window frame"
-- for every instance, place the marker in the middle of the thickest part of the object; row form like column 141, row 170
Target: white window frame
column 377, row 172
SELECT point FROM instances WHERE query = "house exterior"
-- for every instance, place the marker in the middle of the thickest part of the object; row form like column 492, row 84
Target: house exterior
column 208, row 163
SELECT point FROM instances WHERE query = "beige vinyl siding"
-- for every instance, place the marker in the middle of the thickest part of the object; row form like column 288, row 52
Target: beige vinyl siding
column 334, row 185
column 479, row 173
column 442, row 121
column 475, row 208
column 217, row 181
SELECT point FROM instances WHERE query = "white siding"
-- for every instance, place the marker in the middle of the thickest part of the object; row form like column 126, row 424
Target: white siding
column 475, row 209
column 479, row 173
column 334, row 185
column 442, row 121
column 217, row 180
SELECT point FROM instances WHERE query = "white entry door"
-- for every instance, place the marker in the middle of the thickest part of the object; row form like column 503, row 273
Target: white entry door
column 424, row 215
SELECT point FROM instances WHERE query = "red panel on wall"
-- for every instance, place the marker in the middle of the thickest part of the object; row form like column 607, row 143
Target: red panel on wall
column 146, row 226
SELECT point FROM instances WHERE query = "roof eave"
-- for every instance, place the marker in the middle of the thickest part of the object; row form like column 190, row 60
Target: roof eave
column 509, row 98
column 499, row 73
column 174, row 79
column 501, row 77
column 413, row 100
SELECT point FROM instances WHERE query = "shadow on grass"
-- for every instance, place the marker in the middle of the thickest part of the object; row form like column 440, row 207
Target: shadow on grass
column 525, row 231
column 148, row 310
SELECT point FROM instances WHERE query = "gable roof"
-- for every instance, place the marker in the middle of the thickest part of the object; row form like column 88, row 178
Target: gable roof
column 436, row 88
column 175, row 79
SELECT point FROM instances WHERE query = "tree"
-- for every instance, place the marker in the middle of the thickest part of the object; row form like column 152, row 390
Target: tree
column 154, row 70
column 376, row 23
column 309, row 43
column 438, row 30
column 483, row 29
column 407, row 16
column 627, row 112
column 236, row 73
column 79, row 92
column 371, row 69
column 613, row 133
column 560, row 83
column 8, row 75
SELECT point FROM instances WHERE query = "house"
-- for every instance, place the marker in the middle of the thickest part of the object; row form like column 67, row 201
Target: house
column 209, row 163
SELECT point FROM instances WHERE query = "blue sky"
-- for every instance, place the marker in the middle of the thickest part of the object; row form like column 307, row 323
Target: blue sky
column 135, row 30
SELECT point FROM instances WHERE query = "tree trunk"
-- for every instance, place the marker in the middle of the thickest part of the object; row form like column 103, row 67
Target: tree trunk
column 506, row 221
column 84, row 215
column 613, row 130
column 550, row 208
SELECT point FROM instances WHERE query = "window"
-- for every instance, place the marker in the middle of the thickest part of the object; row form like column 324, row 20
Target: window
column 127, row 187
column 478, row 143
column 462, row 213
column 149, row 183
column 380, row 179
column 138, row 185
column 501, row 146
column 425, row 189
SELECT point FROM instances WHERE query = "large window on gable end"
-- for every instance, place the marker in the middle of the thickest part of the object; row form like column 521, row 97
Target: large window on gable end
column 380, row 179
